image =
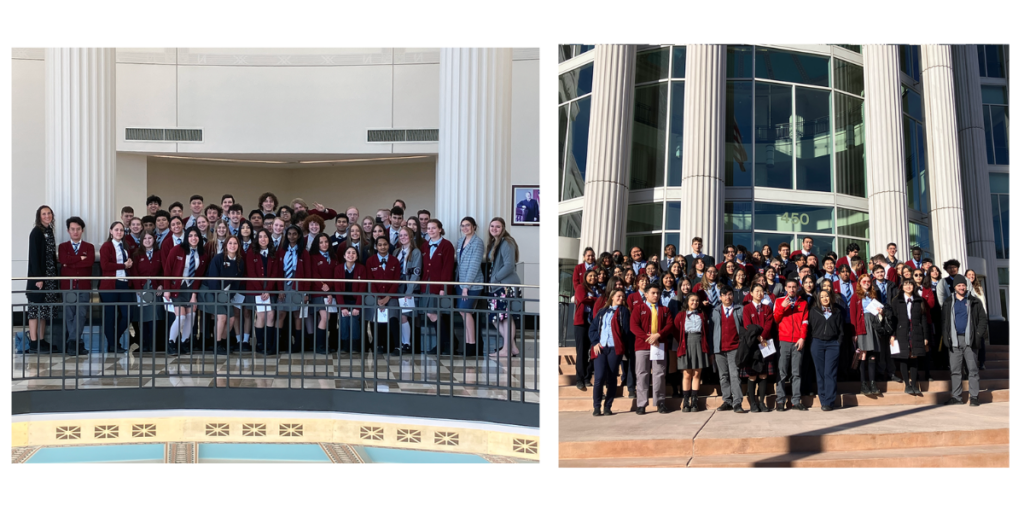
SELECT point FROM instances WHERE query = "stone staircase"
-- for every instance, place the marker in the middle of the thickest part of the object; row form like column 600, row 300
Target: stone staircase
column 891, row 430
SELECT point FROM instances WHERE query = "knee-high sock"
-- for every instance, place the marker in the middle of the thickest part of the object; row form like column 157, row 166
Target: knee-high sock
column 320, row 337
column 175, row 329
column 912, row 363
column 297, row 337
column 406, row 333
column 903, row 370
column 186, row 326
column 260, row 336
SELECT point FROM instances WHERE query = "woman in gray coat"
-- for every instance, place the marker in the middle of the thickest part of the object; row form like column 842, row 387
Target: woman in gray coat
column 469, row 254
column 502, row 256
column 411, row 260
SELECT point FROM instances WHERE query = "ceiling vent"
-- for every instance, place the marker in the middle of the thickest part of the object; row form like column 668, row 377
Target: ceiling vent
column 398, row 136
column 163, row 134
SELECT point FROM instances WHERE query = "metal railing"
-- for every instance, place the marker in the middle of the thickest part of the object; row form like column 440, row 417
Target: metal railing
column 356, row 354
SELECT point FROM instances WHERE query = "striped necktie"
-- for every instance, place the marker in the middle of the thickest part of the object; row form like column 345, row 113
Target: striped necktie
column 75, row 246
column 289, row 265
column 191, row 268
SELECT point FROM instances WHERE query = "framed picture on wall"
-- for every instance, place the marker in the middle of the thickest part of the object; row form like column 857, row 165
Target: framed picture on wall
column 525, row 205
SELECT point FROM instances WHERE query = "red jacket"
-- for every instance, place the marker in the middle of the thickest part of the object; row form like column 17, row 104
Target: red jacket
column 391, row 271
column 766, row 318
column 327, row 214
column 439, row 268
column 129, row 242
column 579, row 273
column 792, row 255
column 583, row 299
column 75, row 265
column 929, row 299
column 176, row 268
column 109, row 265
column 598, row 304
column 634, row 299
column 680, row 328
column 147, row 267
column 640, row 325
column 857, row 315
column 348, row 285
column 792, row 321
column 254, row 269
column 165, row 250
column 301, row 268
column 320, row 268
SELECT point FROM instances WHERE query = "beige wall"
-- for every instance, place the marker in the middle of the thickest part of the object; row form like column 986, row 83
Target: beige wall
column 367, row 187
column 28, row 160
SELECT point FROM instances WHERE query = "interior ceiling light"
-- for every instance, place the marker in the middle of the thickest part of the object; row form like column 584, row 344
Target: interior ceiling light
column 221, row 159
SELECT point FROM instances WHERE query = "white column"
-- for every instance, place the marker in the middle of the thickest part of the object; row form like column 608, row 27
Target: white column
column 609, row 142
column 703, row 185
column 974, row 171
column 883, row 118
column 474, row 160
column 947, row 211
column 80, row 138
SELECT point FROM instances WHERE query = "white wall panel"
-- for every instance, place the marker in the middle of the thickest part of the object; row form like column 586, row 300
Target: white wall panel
column 146, row 98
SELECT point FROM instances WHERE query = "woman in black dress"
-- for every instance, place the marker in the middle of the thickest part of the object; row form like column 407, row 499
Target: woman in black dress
column 42, row 262
column 911, row 333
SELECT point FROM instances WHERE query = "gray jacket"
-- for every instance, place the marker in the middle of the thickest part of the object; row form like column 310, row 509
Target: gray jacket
column 412, row 272
column 503, row 269
column 469, row 259
column 716, row 323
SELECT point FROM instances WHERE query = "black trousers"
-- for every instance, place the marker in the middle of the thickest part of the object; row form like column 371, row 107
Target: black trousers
column 584, row 366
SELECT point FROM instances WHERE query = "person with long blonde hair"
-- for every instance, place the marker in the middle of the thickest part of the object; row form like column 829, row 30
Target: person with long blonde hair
column 500, row 258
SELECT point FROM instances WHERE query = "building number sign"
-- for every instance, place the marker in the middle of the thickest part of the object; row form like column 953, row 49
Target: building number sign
column 794, row 218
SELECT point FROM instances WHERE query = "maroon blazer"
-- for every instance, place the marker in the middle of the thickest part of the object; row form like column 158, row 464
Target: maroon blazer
column 583, row 299
column 74, row 265
column 598, row 304
column 129, row 242
column 348, row 285
column 109, row 265
column 680, row 326
column 147, row 267
column 765, row 319
column 176, row 267
column 322, row 269
column 439, row 268
column 327, row 214
column 254, row 270
column 640, row 325
column 165, row 250
column 634, row 299
column 579, row 273
column 301, row 268
column 392, row 271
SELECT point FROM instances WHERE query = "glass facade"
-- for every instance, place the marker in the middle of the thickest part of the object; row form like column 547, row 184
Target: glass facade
column 910, row 61
column 916, row 159
column 1000, row 188
column 921, row 236
column 996, row 110
column 568, row 51
column 992, row 61
column 656, row 158
column 569, row 224
column 574, row 93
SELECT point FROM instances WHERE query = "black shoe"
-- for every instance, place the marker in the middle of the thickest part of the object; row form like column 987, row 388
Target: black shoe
column 694, row 404
column 865, row 389
column 874, row 389
column 917, row 389
column 685, row 406
column 799, row 406
column 581, row 385
column 780, row 406
column 953, row 401
column 641, row 411
column 76, row 349
column 234, row 347
column 826, row 408
column 662, row 409
column 724, row 407
column 220, row 348
column 597, row 411
column 896, row 378
column 172, row 348
column 608, row 411
column 908, row 389
column 632, row 393
column 982, row 368
column 271, row 349
column 245, row 347
column 739, row 409
column 975, row 402
column 185, row 348
column 320, row 350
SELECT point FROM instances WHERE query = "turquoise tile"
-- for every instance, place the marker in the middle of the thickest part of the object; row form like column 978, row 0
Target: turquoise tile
column 395, row 456
column 109, row 453
column 256, row 452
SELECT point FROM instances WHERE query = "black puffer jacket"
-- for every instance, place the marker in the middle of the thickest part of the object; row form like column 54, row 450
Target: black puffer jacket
column 910, row 331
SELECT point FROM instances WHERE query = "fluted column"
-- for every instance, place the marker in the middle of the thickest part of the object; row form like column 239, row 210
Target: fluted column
column 974, row 170
column 883, row 118
column 610, row 140
column 80, row 138
column 474, row 160
column 703, row 185
column 947, row 211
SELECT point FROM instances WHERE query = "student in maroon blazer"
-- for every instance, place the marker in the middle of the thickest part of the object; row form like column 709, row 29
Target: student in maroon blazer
column 294, row 247
column 115, row 262
column 261, row 262
column 757, row 312
column 350, row 274
column 174, row 238
column 585, row 296
column 183, row 292
column 381, row 266
column 589, row 262
column 147, row 263
column 76, row 258
column 322, row 264
column 692, row 354
column 133, row 237
column 438, row 265
column 607, row 359
column 640, row 322
column 637, row 297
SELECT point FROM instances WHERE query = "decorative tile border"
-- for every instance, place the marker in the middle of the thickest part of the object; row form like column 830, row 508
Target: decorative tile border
column 105, row 432
column 22, row 453
column 254, row 429
column 371, row 433
column 291, row 430
column 217, row 429
column 445, row 438
column 408, row 435
column 525, row 446
column 144, row 430
column 181, row 453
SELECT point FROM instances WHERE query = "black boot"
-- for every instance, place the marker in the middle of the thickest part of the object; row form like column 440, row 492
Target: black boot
column 220, row 348
column 274, row 337
column 864, row 388
column 752, row 396
column 686, row 402
column 874, row 389
column 261, row 333
column 320, row 341
column 762, row 390
column 694, row 401
column 297, row 344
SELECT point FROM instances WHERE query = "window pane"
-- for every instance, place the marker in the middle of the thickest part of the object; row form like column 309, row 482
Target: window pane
column 999, row 182
column 981, row 61
column 647, row 162
column 739, row 61
column 584, row 48
column 774, row 141
column 575, row 83
column 652, row 65
column 569, row 224
column 852, row 223
column 1004, row 276
column 910, row 56
column 564, row 52
column 989, row 151
column 1002, row 299
column 822, row 244
column 922, row 170
column 576, row 159
column 850, row 164
column 563, row 125
column 650, row 244
column 737, row 239
column 993, row 95
column 678, row 62
column 565, row 269
column 675, row 143
column 997, row 228
column 670, row 238
column 738, row 133
column 1000, row 142
column 1004, row 214
column 737, row 216
column 814, row 140
column 921, row 236
column 994, row 60
column 851, row 47
column 849, row 77
column 802, row 68
column 917, row 178
column 842, row 243
column 912, row 104
column 672, row 215
column 643, row 217
column 772, row 239
column 792, row 217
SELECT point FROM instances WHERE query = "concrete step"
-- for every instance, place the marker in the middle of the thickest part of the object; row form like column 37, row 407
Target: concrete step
column 570, row 390
column 625, row 405
column 946, row 456
column 566, row 377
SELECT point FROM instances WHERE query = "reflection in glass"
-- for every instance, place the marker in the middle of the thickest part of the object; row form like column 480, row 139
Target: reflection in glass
column 671, row 238
column 822, row 244
column 921, row 236
column 813, row 140
column 849, row 77
column 652, row 65
column 739, row 61
column 675, row 142
column 772, row 240
column 801, row 68
column 564, row 52
column 672, row 215
column 993, row 95
column 912, row 104
column 738, row 133
column 738, row 239
column 643, row 217
column 843, row 243
column 999, row 182
column 773, row 131
column 910, row 61
column 647, row 160
column 563, row 125
column 569, row 224
column 914, row 165
column 575, row 83
column 850, row 164
column 852, row 223
column 576, row 159
column 792, row 217
column 678, row 62
column 851, row 47
column 994, row 61
column 738, row 216
column 996, row 122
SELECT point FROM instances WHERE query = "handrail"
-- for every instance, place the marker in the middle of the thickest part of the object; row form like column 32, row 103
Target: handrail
column 274, row 279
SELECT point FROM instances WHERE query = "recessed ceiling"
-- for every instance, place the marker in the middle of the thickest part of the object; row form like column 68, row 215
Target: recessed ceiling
column 293, row 161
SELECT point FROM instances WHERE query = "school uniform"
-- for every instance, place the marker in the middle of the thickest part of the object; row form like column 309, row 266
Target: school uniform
column 691, row 329
column 148, row 264
column 170, row 242
column 411, row 261
column 579, row 272
column 438, row 265
column 385, row 268
column 826, row 328
column 792, row 326
column 294, row 264
column 585, row 297
column 610, row 330
column 278, row 241
column 727, row 325
column 646, row 319
column 184, row 262
column 161, row 235
column 338, row 239
column 351, row 286
column 325, row 214
column 76, row 260
column 113, row 256
column 693, row 257
column 131, row 242
column 914, row 264
column 470, row 255
column 223, row 266
column 761, row 315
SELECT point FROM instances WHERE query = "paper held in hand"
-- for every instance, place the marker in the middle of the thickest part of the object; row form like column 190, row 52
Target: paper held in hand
column 767, row 349
column 894, row 347
column 874, row 307
column 262, row 306
column 658, row 352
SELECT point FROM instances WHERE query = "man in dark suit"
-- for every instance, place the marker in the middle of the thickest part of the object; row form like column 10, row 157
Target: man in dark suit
column 697, row 245
column 530, row 208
